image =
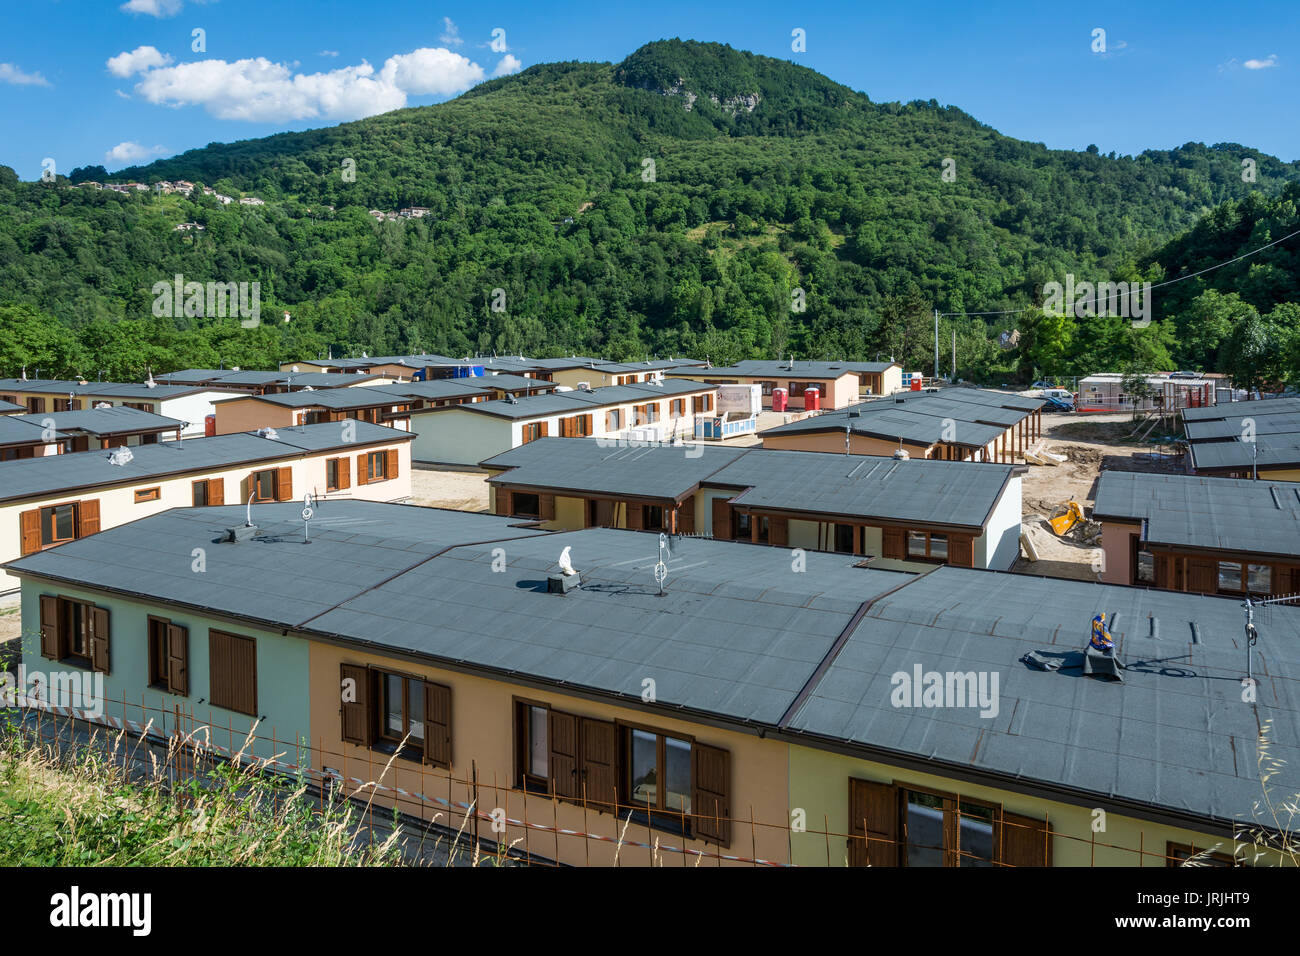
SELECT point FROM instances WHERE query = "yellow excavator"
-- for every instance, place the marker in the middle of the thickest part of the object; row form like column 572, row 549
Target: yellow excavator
column 1063, row 522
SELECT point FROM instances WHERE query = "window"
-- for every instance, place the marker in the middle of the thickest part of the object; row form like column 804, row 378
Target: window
column 673, row 783
column 742, row 527
column 761, row 527
column 701, row 404
column 67, row 404
column 1177, row 854
column 139, row 406
column 382, row 708
column 766, row 387
column 576, row 426
column 168, row 657
column 533, row 431
column 659, row 778
column 532, row 724
column 526, row 505
column 1236, row 577
column 332, row 474
column 58, row 524
column 232, row 672
column 653, row 519
column 925, row 545
column 74, row 632
column 375, row 466
column 264, row 485
column 844, row 535
column 401, row 713
column 35, row 405
column 210, row 491
column 613, row 419
column 677, row 408
column 1144, row 568
column 147, row 494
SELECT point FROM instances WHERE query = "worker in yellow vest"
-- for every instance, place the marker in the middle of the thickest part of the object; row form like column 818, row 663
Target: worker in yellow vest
column 1101, row 639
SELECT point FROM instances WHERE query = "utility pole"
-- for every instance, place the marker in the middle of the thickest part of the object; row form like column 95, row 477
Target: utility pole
column 936, row 343
column 954, row 353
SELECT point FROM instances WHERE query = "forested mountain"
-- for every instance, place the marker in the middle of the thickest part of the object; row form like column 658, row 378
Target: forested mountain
column 677, row 202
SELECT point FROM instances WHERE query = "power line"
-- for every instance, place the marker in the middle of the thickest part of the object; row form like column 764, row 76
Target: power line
column 1158, row 285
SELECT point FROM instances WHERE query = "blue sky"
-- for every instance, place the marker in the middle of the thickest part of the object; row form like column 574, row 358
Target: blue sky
column 1171, row 72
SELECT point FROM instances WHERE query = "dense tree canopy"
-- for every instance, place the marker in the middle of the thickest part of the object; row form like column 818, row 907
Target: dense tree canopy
column 692, row 199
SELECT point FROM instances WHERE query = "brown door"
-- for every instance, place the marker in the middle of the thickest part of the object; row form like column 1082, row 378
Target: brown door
column 961, row 551
column 1201, row 575
column 873, row 823
column 686, row 516
column 721, row 519
column 599, row 755
column 563, row 733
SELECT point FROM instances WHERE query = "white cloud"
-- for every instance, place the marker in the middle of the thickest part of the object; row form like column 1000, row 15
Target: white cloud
column 153, row 8
column 259, row 90
column 1264, row 64
column 129, row 152
column 450, row 33
column 137, row 61
column 12, row 74
column 328, row 53
column 509, row 64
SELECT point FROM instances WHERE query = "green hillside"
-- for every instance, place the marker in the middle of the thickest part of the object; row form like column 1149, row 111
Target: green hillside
column 767, row 178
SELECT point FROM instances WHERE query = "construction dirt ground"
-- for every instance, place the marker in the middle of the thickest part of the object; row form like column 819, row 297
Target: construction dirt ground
column 1091, row 444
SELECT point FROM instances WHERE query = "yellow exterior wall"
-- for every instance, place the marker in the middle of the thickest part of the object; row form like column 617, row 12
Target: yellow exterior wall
column 819, row 784
column 483, row 739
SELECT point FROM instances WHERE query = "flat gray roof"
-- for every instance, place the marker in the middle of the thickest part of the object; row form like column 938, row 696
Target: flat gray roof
column 1267, row 406
column 595, row 466
column 559, row 403
column 19, row 430
column 930, row 492
column 59, row 474
column 105, row 421
column 7, row 407
column 1227, row 514
column 1175, row 734
column 107, row 389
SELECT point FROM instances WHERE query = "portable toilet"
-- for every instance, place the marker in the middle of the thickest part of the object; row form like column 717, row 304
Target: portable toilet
column 209, row 426
column 812, row 399
column 780, row 398
column 916, row 383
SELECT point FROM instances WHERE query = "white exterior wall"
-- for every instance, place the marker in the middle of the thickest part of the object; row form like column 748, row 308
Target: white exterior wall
column 999, row 545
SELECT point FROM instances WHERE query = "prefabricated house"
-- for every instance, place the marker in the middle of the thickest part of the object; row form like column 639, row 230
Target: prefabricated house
column 1245, row 439
column 800, row 385
column 951, row 424
column 189, row 404
column 1106, row 392
column 897, row 514
column 46, row 502
column 98, row 428
column 469, row 433
column 477, row 673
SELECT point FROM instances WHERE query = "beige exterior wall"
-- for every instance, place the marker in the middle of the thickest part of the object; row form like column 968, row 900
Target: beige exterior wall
column 834, row 443
column 483, row 739
column 1117, row 551
column 117, row 503
column 573, row 377
column 248, row 415
column 819, row 784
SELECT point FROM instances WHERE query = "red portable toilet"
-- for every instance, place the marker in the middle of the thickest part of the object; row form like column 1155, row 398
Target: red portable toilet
column 916, row 383
column 812, row 399
column 780, row 398
column 209, row 426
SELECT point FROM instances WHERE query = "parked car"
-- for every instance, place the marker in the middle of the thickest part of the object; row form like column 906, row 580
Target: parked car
column 1061, row 399
column 1043, row 384
column 1184, row 374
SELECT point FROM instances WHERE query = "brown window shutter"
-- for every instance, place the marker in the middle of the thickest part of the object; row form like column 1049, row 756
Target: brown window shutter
column 88, row 517
column 216, row 491
column 778, row 531
column 1165, row 572
column 1025, row 841
column 503, row 501
column 356, row 713
column 589, row 420
column 232, row 669
column 178, row 659
column 635, row 516
column 52, row 646
column 345, row 473
column 390, row 466
column 686, row 516
column 29, row 523
column 437, row 724
column 99, row 634
column 961, row 550
column 563, row 741
column 894, row 543
column 284, row 484
column 873, row 823
column 710, row 793
column 1202, row 575
column 545, row 429
column 361, row 470
column 721, row 519
column 599, row 759
column 546, row 507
